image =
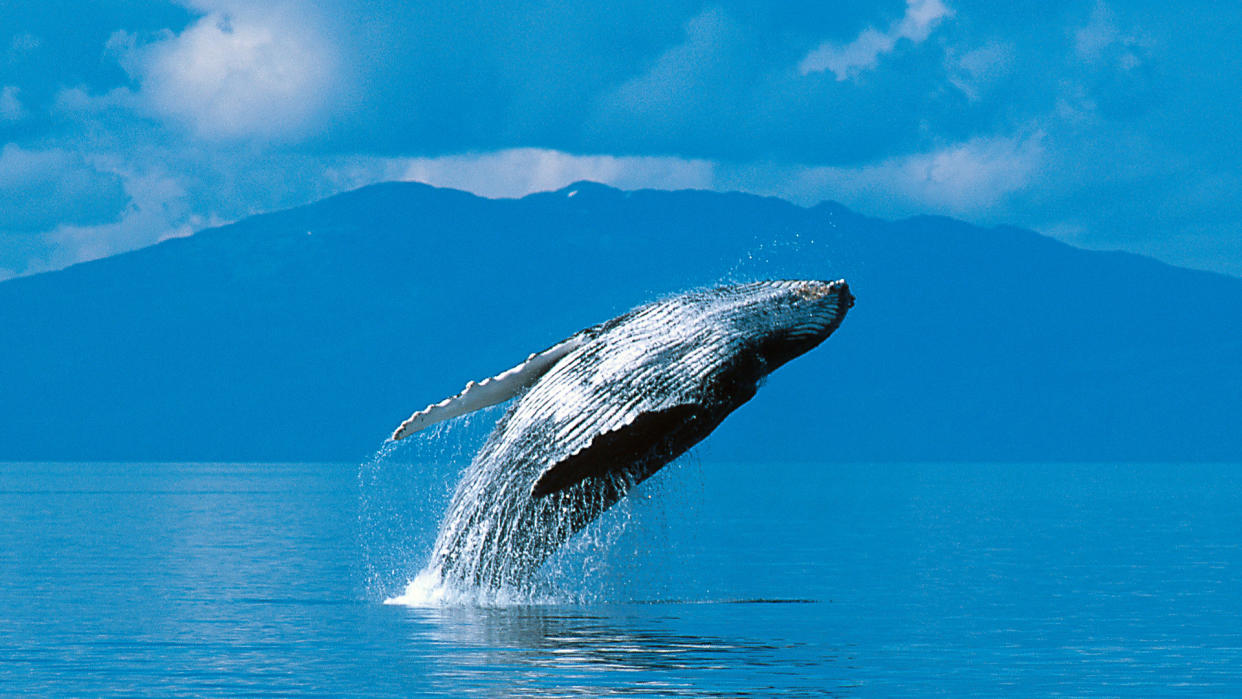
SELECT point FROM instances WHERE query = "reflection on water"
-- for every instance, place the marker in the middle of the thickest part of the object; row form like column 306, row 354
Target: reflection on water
column 966, row 580
column 622, row 650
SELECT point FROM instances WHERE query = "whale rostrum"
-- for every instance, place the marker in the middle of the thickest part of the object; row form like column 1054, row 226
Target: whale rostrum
column 606, row 408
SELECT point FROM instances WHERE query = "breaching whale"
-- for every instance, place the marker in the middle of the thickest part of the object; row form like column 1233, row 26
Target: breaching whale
column 606, row 408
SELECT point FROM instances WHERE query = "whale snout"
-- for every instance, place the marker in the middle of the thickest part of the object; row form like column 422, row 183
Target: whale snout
column 806, row 313
column 843, row 289
column 838, row 290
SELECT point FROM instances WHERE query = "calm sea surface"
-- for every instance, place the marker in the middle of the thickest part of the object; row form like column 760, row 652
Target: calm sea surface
column 715, row 579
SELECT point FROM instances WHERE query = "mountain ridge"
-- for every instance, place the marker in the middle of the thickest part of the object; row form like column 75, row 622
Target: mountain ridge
column 307, row 334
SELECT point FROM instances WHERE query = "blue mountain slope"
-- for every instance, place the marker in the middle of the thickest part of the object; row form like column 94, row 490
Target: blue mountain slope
column 309, row 334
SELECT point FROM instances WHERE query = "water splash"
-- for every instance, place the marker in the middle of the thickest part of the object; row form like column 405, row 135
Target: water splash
column 406, row 491
column 403, row 492
column 792, row 256
column 495, row 536
column 416, row 495
column 624, row 555
column 593, row 428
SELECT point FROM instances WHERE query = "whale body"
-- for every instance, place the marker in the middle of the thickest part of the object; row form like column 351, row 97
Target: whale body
column 606, row 408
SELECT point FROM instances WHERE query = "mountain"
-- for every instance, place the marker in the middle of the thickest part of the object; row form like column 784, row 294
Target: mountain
column 308, row 334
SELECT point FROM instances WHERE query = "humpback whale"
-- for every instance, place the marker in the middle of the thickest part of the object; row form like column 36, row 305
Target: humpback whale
column 607, row 407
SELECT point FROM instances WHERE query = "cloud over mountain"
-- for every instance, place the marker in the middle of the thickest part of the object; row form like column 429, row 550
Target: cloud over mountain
column 1107, row 123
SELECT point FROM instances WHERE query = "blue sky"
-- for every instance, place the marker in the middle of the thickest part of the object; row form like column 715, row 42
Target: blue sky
column 1105, row 124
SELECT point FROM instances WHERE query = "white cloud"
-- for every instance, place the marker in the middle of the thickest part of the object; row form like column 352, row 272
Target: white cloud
column 254, row 74
column 42, row 187
column 863, row 53
column 76, row 101
column 520, row 171
column 1092, row 40
column 24, row 43
column 970, row 179
column 975, row 70
column 1101, row 43
column 157, row 211
column 157, row 208
column 11, row 108
column 678, row 72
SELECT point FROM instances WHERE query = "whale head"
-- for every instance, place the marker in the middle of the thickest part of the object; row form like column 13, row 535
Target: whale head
column 781, row 320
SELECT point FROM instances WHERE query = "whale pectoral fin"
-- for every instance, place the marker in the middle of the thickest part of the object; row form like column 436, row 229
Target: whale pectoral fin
column 490, row 391
column 640, row 448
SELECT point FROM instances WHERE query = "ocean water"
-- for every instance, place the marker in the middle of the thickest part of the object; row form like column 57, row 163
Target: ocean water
column 715, row 578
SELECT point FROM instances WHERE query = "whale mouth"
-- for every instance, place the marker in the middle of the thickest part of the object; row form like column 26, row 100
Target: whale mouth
column 826, row 305
column 847, row 299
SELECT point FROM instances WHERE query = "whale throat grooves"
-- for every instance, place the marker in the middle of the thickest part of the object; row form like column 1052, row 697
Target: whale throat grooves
column 606, row 408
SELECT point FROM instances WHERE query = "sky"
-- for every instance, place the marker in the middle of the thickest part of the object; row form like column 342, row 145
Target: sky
column 1105, row 124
